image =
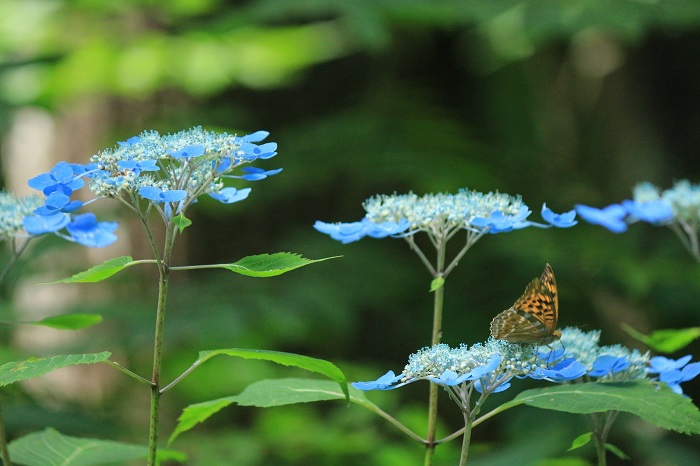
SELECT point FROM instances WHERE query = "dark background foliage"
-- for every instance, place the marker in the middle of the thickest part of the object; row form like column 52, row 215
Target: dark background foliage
column 560, row 102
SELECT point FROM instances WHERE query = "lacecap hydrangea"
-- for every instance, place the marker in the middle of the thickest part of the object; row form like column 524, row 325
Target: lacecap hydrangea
column 167, row 173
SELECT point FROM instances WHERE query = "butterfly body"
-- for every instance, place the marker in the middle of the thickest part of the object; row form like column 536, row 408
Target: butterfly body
column 533, row 317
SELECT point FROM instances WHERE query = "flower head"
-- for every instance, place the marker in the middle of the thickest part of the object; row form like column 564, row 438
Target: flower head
column 13, row 211
column 677, row 207
column 489, row 367
column 193, row 162
column 441, row 215
column 684, row 199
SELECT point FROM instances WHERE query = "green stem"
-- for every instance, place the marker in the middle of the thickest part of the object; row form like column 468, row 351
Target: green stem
column 4, row 453
column 599, row 436
column 466, row 439
column 164, row 276
column 16, row 252
column 436, row 337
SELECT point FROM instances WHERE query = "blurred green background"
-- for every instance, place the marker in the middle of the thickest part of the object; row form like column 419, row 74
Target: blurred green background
column 561, row 102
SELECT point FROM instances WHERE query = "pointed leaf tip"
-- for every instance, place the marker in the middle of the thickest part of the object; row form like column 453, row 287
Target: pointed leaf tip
column 98, row 272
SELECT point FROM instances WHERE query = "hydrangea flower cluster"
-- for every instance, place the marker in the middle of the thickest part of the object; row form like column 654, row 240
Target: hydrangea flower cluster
column 614, row 363
column 13, row 210
column 169, row 172
column 442, row 215
column 679, row 204
column 491, row 366
column 677, row 208
column 180, row 167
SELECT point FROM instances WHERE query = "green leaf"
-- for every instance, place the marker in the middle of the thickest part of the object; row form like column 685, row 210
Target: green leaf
column 12, row 372
column 51, row 448
column 580, row 441
column 266, row 394
column 616, row 451
column 69, row 321
column 666, row 340
column 437, row 284
column 98, row 272
column 320, row 366
column 62, row 322
column 656, row 404
column 269, row 265
column 181, row 222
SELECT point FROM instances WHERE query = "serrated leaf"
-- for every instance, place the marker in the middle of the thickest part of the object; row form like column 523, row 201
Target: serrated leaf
column 15, row 371
column 269, row 265
column 319, row 366
column 69, row 321
column 580, row 441
column 266, row 394
column 51, row 448
column 436, row 284
column 98, row 272
column 181, row 222
column 666, row 340
column 656, row 404
column 616, row 451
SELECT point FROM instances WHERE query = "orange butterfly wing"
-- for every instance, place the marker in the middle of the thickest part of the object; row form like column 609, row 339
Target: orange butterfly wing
column 533, row 317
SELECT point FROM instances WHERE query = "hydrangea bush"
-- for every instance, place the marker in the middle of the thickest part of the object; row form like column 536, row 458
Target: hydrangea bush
column 470, row 374
column 158, row 178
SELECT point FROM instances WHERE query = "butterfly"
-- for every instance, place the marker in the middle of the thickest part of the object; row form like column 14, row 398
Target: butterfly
column 533, row 317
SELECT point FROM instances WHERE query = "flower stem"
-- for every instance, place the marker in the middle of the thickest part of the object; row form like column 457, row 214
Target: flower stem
column 163, row 280
column 4, row 453
column 466, row 439
column 436, row 337
column 157, row 359
column 602, row 422
column 16, row 252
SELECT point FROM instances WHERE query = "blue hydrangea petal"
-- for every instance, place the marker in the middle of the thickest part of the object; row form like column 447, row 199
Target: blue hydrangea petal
column 384, row 229
column 656, row 212
column 343, row 232
column 231, row 195
column 255, row 173
column 567, row 369
column 187, row 152
column 564, row 220
column 86, row 230
column 256, row 136
column 130, row 142
column 150, row 192
column 39, row 224
column 662, row 364
column 610, row 217
column 173, row 195
column 605, row 364
column 41, row 182
column 384, row 382
column 224, row 164
column 690, row 371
